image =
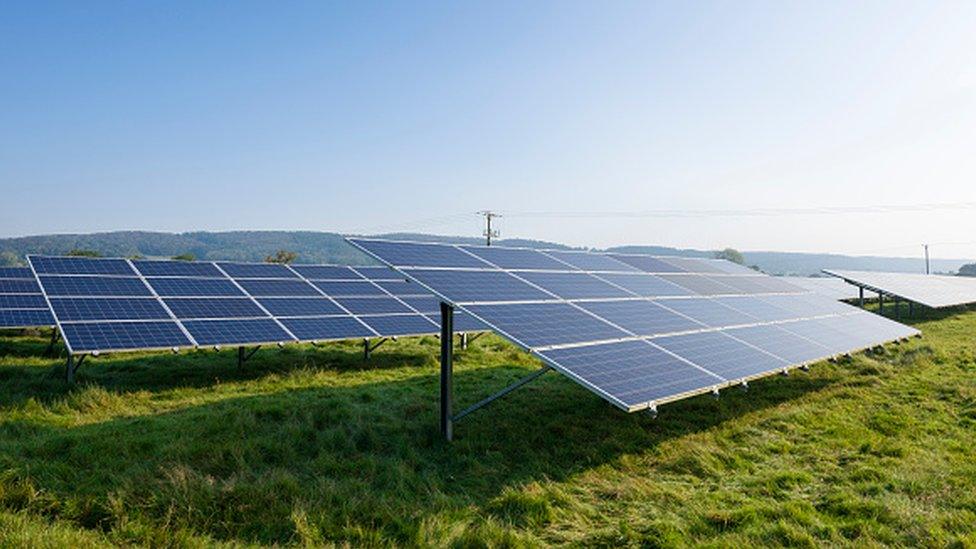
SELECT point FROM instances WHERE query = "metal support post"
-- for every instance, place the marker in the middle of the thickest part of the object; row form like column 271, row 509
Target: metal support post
column 880, row 303
column 71, row 367
column 464, row 341
column 911, row 309
column 447, row 370
column 897, row 309
column 54, row 339
column 860, row 300
column 240, row 357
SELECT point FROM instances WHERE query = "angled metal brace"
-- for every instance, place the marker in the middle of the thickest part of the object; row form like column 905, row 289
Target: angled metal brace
column 486, row 401
column 369, row 348
column 243, row 356
column 471, row 338
column 71, row 367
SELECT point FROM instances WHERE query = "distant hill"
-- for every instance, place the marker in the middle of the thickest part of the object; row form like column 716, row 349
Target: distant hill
column 323, row 247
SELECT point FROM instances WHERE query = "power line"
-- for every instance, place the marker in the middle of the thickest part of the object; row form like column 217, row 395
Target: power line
column 751, row 212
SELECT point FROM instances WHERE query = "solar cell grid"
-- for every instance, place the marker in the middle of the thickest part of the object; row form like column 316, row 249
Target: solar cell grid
column 88, row 308
column 722, row 354
column 574, row 285
column 931, row 290
column 16, row 286
column 473, row 286
column 16, row 272
column 78, row 286
column 326, row 272
column 700, row 284
column 22, row 301
column 81, row 265
column 277, row 288
column 372, row 305
column 511, row 258
column 311, row 306
column 401, row 325
column 323, row 328
column 25, row 318
column 105, row 336
column 202, row 287
column 177, row 268
column 648, row 264
column 256, row 270
column 646, row 285
column 633, row 372
column 592, row 262
column 544, row 324
column 224, row 307
column 643, row 318
column 351, row 288
column 236, row 332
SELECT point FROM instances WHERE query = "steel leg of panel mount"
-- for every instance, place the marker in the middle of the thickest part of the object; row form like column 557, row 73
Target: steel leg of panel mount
column 464, row 341
column 473, row 338
column 911, row 309
column 71, row 367
column 447, row 370
column 368, row 348
column 880, row 303
column 54, row 339
column 860, row 299
column 897, row 309
column 486, row 401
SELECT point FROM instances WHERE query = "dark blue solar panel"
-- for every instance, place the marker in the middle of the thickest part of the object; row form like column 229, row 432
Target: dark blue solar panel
column 227, row 332
column 402, row 288
column 721, row 354
column 399, row 325
column 510, row 258
column 701, row 285
column 574, row 285
column 427, row 304
column 694, row 265
column 632, row 372
column 214, row 307
column 733, row 268
column 762, row 311
column 19, row 287
column 372, row 305
column 786, row 345
column 25, row 318
column 468, row 286
column 108, row 336
column 708, row 311
column 300, row 306
column 22, row 302
column 869, row 329
column 93, row 286
column 336, row 327
column 282, row 288
column 97, row 308
column 350, row 288
column 593, row 262
column 202, row 287
column 177, row 268
column 776, row 285
column 326, row 272
column 256, row 270
column 643, row 318
column 647, row 264
column 542, row 324
column 645, row 285
column 81, row 265
column 462, row 322
column 379, row 273
column 16, row 272
column 419, row 255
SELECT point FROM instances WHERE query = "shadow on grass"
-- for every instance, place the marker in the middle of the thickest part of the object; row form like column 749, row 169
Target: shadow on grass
column 356, row 463
column 159, row 371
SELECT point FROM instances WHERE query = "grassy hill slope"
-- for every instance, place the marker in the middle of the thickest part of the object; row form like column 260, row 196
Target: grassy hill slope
column 312, row 445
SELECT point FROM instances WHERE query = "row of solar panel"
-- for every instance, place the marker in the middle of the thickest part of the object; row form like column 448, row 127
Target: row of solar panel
column 21, row 303
column 416, row 254
column 930, row 290
column 106, row 304
column 634, row 373
column 202, row 269
column 632, row 351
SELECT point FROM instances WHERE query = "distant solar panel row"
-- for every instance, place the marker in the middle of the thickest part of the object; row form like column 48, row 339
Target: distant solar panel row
column 639, row 330
column 930, row 290
column 834, row 288
column 22, row 305
column 117, row 304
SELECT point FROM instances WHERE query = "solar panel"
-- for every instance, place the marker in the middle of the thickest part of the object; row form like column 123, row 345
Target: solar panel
column 94, row 308
column 372, row 305
column 122, row 336
column 78, row 286
column 300, row 306
column 637, row 330
column 325, row 328
column 834, row 288
column 177, row 268
column 194, row 287
column 81, row 265
column 348, row 288
column 208, row 307
column 235, row 332
column 934, row 291
column 401, row 325
column 22, row 305
column 327, row 272
column 256, row 270
column 278, row 288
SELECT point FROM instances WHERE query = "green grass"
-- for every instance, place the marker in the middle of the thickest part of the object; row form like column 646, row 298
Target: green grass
column 314, row 446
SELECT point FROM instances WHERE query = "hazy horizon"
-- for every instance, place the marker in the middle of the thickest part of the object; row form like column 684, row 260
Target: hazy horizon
column 804, row 127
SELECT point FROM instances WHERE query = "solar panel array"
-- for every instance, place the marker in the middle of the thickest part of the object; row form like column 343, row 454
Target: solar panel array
column 118, row 304
column 639, row 330
column 22, row 305
column 831, row 287
column 930, row 290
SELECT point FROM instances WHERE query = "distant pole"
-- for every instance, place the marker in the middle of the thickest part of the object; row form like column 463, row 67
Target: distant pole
column 926, row 246
column 489, row 233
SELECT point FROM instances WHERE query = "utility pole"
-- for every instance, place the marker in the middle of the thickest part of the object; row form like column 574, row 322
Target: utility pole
column 489, row 233
column 926, row 246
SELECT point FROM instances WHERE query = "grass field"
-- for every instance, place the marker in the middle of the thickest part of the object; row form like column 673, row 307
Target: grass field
column 313, row 446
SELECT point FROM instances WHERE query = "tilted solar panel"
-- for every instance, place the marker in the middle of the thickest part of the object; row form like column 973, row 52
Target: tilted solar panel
column 637, row 330
column 116, row 304
column 22, row 305
column 934, row 291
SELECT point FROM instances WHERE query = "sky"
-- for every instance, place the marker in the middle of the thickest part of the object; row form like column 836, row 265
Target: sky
column 846, row 127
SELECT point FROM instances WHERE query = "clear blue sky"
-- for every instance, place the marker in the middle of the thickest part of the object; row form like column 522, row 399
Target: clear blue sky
column 213, row 116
